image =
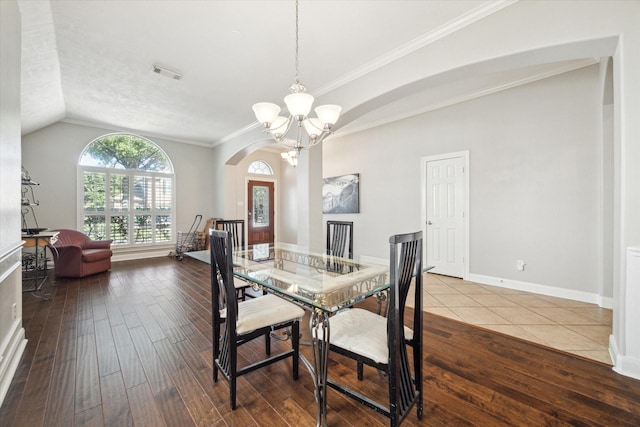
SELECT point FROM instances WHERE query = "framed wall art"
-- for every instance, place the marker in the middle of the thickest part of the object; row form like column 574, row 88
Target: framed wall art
column 341, row 194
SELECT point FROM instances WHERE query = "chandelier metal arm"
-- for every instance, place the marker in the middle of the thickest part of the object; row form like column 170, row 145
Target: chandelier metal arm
column 281, row 132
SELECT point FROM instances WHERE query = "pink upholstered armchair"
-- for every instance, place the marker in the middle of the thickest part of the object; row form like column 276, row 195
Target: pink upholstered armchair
column 76, row 255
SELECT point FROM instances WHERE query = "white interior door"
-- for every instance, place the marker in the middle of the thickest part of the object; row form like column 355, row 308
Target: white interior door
column 445, row 202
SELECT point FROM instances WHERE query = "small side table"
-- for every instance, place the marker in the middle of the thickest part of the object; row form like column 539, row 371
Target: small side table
column 34, row 262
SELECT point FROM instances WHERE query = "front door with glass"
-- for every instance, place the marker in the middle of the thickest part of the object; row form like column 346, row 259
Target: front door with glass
column 260, row 224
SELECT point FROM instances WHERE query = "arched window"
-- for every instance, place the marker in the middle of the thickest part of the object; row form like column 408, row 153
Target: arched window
column 260, row 167
column 126, row 191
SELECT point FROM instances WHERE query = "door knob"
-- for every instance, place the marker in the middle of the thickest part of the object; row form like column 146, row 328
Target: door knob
column 429, row 222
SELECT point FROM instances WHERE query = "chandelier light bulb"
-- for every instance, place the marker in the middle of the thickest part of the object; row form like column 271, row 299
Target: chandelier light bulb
column 314, row 127
column 328, row 114
column 299, row 104
column 266, row 112
column 279, row 127
column 290, row 157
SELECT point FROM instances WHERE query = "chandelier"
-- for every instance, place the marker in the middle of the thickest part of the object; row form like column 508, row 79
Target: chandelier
column 290, row 157
column 309, row 131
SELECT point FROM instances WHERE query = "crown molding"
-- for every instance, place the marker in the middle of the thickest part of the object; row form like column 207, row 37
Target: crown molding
column 239, row 132
column 474, row 15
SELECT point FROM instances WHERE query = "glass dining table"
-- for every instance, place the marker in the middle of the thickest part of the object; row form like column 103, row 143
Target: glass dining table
column 322, row 283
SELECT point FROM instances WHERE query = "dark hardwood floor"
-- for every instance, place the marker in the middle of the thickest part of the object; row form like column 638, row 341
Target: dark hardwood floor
column 133, row 347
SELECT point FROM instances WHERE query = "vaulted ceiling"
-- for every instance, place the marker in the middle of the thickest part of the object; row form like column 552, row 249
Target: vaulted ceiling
column 91, row 62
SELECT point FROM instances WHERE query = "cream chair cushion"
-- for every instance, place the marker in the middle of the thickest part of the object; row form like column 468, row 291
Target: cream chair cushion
column 362, row 332
column 263, row 311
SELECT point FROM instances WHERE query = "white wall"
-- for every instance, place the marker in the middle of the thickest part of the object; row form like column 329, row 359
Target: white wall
column 288, row 205
column 51, row 155
column 10, row 126
column 534, row 164
column 610, row 275
column 12, row 336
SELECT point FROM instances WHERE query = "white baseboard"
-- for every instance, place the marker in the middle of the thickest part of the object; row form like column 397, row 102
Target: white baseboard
column 128, row 255
column 624, row 365
column 606, row 302
column 542, row 289
column 10, row 355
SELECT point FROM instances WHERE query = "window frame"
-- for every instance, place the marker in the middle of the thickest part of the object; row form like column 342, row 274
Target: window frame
column 131, row 213
column 265, row 166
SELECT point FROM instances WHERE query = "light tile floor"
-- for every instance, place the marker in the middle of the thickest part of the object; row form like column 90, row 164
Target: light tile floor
column 571, row 326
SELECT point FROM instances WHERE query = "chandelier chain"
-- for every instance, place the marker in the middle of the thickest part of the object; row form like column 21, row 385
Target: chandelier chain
column 297, row 43
column 299, row 104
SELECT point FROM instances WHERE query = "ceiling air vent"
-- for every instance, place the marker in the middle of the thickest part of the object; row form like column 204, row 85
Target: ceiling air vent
column 164, row 72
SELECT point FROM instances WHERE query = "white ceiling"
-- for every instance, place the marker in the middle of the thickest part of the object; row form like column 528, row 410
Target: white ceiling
column 90, row 61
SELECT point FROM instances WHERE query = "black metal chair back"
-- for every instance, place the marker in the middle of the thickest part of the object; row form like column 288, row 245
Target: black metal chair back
column 339, row 243
column 405, row 264
column 236, row 228
column 221, row 274
column 340, row 238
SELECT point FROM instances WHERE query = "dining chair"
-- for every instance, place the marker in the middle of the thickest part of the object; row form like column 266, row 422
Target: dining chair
column 339, row 243
column 380, row 341
column 236, row 228
column 244, row 321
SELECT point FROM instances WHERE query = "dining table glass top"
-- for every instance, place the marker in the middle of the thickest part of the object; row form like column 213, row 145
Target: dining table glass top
column 315, row 279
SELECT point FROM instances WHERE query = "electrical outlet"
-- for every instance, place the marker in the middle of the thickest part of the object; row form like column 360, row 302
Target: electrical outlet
column 15, row 310
column 520, row 265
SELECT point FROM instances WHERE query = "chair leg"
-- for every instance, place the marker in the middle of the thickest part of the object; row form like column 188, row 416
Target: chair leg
column 216, row 351
column 267, row 343
column 417, row 380
column 232, row 391
column 360, row 370
column 295, row 345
